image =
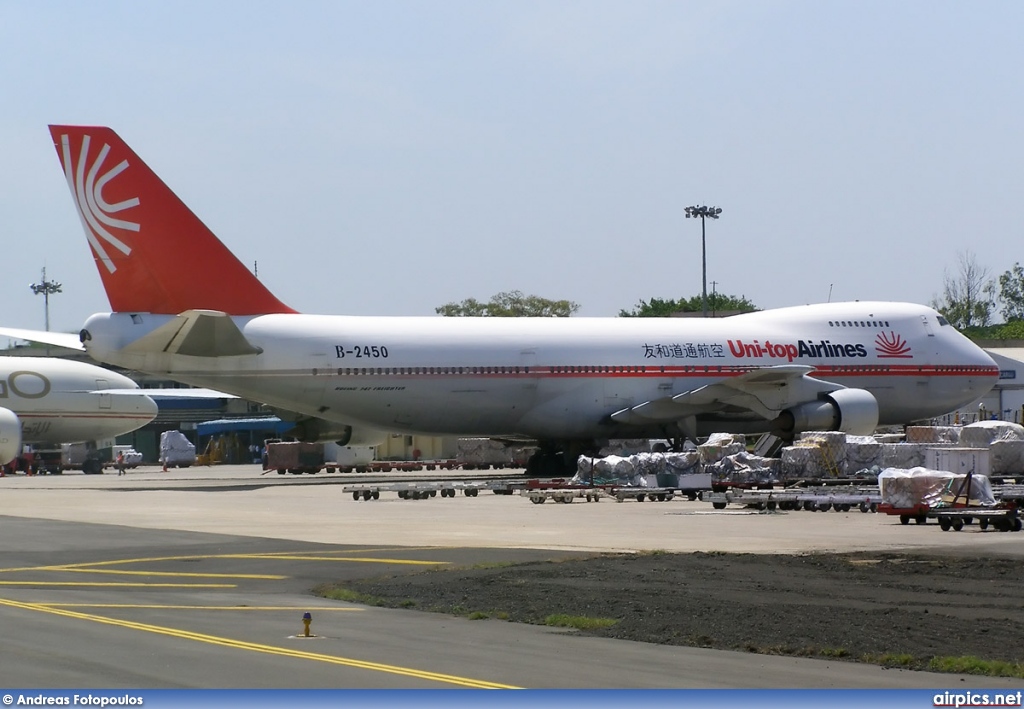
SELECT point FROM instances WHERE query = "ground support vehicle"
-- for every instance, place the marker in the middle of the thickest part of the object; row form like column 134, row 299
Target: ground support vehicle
column 423, row 490
column 866, row 498
column 994, row 506
column 566, row 494
column 42, row 462
column 51, row 462
column 377, row 466
column 1009, row 493
column 918, row 513
column 1003, row 517
column 562, row 494
column 560, row 490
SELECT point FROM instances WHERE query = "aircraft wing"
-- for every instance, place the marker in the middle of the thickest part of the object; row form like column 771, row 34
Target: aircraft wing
column 172, row 393
column 67, row 340
column 766, row 391
column 200, row 333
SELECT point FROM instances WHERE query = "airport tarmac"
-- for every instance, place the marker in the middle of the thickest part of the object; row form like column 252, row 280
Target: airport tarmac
column 198, row 578
column 314, row 508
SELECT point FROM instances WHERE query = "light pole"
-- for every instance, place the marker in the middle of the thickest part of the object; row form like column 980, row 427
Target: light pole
column 703, row 212
column 46, row 288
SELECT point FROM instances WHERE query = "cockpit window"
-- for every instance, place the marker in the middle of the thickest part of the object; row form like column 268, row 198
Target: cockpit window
column 943, row 321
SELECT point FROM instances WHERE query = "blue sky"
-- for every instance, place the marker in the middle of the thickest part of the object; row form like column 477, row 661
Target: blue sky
column 384, row 158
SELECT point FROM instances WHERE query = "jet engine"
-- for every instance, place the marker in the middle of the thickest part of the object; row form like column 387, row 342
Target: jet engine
column 314, row 430
column 10, row 436
column 853, row 411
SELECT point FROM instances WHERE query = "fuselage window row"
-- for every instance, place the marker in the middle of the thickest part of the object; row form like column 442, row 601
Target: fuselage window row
column 858, row 323
column 561, row 370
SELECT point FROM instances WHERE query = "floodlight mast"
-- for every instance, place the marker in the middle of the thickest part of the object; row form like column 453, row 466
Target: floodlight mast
column 46, row 288
column 704, row 212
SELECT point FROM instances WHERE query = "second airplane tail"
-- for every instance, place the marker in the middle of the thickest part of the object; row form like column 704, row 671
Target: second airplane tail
column 153, row 254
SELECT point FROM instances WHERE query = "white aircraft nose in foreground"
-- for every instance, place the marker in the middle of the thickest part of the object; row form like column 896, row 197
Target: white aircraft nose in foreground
column 46, row 401
column 185, row 306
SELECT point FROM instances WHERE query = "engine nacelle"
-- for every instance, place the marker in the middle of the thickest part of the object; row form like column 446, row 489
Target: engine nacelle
column 853, row 411
column 314, row 430
column 10, row 436
column 362, row 437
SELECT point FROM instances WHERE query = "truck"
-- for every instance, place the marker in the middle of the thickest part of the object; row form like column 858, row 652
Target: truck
column 89, row 457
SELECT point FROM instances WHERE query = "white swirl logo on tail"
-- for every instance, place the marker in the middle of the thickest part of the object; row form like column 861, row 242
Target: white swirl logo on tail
column 92, row 208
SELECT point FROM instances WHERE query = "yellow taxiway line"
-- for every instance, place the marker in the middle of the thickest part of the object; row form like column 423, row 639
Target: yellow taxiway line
column 256, row 647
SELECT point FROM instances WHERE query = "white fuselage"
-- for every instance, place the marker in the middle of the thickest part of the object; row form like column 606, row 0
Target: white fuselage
column 561, row 378
column 60, row 401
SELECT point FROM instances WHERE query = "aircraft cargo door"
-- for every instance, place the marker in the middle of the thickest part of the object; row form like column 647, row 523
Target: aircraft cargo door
column 102, row 384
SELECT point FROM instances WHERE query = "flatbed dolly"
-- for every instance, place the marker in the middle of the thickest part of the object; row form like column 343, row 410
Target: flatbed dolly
column 1003, row 518
column 421, row 490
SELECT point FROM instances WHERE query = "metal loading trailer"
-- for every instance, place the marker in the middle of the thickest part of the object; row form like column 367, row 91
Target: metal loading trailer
column 841, row 499
column 964, row 499
column 425, row 490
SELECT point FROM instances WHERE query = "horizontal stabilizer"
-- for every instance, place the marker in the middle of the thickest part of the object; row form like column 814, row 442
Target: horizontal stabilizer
column 198, row 333
column 765, row 391
column 67, row 340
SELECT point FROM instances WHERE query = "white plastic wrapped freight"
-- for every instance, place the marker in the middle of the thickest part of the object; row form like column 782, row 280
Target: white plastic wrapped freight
column 862, row 453
column 175, row 449
column 832, row 445
column 722, row 439
column 685, row 463
column 933, row 434
column 714, row 452
column 803, row 461
column 615, row 467
column 983, row 433
column 903, row 455
column 1006, row 457
column 907, row 489
column 745, row 469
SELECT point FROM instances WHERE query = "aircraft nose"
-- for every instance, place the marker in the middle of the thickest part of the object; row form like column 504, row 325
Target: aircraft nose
column 146, row 406
column 988, row 369
column 136, row 404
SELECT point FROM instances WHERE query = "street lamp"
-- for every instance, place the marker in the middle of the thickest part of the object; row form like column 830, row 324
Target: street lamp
column 703, row 212
column 46, row 288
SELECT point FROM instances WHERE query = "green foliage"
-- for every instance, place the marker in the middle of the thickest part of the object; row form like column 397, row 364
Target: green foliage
column 891, row 659
column 717, row 302
column 968, row 296
column 1010, row 331
column 656, row 308
column 338, row 593
column 1011, row 293
column 510, row 304
column 580, row 622
column 1005, row 331
column 969, row 665
column 835, row 652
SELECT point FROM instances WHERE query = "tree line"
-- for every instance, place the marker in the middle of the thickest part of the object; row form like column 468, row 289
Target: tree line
column 971, row 299
column 516, row 304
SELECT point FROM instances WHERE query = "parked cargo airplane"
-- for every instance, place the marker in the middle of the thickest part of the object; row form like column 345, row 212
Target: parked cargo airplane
column 185, row 307
column 45, row 401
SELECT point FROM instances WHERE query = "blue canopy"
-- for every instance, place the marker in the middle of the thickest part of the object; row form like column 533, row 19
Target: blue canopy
column 266, row 424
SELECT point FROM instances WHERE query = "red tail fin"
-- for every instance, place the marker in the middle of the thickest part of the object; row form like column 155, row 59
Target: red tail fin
column 152, row 252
